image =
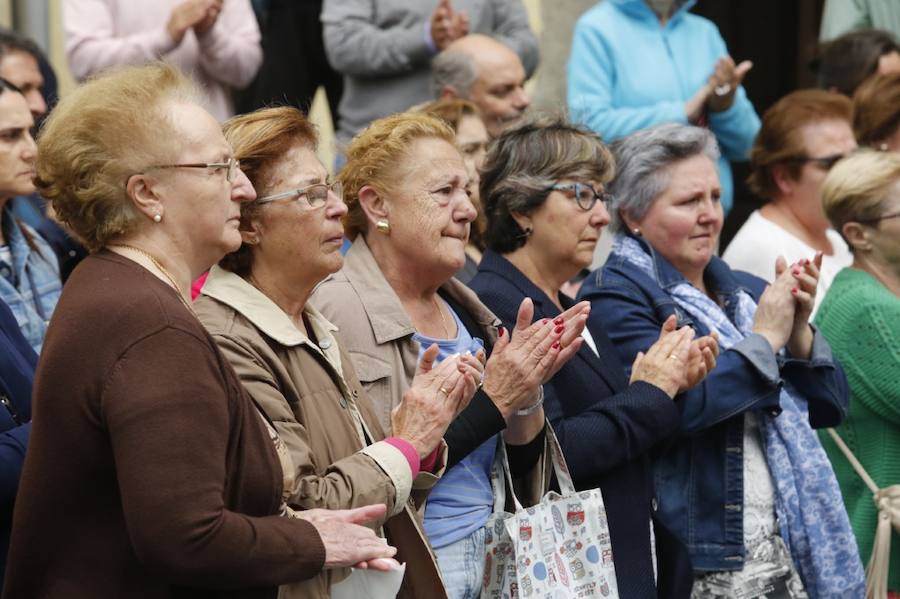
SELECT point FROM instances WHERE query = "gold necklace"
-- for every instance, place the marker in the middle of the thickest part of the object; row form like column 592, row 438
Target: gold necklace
column 161, row 269
column 443, row 321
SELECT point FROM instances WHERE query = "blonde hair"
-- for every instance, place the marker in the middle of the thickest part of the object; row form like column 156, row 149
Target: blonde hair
column 101, row 134
column 259, row 140
column 376, row 157
column 450, row 109
column 876, row 109
column 857, row 185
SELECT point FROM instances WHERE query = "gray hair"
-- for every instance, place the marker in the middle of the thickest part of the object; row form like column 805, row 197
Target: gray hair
column 453, row 68
column 642, row 165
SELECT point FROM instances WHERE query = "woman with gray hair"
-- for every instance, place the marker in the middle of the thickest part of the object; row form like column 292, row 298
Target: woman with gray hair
column 745, row 482
column 543, row 191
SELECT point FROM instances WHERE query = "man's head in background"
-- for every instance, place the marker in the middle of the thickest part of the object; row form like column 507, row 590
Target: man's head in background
column 486, row 72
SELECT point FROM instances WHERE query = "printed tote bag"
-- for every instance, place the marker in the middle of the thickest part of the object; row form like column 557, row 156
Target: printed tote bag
column 557, row 549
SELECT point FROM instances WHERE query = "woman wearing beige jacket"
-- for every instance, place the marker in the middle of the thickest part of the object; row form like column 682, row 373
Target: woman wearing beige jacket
column 287, row 358
column 409, row 215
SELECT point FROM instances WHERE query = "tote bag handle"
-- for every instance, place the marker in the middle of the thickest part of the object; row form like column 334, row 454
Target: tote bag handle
column 501, row 477
column 887, row 502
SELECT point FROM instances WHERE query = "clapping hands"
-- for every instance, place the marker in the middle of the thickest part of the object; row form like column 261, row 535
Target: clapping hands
column 200, row 15
column 447, row 25
column 782, row 315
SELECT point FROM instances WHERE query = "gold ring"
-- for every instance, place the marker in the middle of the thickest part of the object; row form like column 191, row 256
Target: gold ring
column 674, row 357
column 444, row 391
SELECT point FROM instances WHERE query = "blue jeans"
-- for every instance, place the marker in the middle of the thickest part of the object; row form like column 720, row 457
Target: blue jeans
column 462, row 565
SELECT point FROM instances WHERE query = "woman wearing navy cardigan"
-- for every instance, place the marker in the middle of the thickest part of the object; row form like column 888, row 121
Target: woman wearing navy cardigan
column 542, row 187
column 17, row 364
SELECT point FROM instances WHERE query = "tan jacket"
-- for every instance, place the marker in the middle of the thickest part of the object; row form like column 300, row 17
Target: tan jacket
column 376, row 330
column 313, row 397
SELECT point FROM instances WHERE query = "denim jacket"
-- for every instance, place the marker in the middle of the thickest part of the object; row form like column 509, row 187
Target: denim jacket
column 699, row 474
column 30, row 285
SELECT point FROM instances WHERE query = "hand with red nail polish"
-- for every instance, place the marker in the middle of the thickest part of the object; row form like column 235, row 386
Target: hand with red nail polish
column 530, row 354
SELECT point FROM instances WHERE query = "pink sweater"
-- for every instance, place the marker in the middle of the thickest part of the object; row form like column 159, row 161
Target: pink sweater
column 105, row 33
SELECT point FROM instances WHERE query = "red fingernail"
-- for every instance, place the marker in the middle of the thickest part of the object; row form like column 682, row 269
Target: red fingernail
column 796, row 272
column 502, row 332
column 560, row 329
column 558, row 320
column 555, row 345
column 794, row 290
column 805, row 261
column 545, row 320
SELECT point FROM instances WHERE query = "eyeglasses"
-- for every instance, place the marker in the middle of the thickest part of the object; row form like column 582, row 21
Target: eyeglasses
column 316, row 195
column 231, row 165
column 585, row 195
column 879, row 218
column 824, row 162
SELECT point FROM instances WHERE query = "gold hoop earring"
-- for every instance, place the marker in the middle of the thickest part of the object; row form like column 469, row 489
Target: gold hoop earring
column 383, row 226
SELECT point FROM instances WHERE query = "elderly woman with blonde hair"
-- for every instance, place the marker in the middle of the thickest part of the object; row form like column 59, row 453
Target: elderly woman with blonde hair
column 409, row 217
column 860, row 317
column 290, row 361
column 170, row 477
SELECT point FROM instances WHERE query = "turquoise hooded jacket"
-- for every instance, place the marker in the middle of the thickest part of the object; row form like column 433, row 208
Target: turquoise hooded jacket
column 627, row 72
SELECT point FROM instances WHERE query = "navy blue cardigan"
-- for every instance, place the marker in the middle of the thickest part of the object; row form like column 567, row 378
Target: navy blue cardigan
column 17, row 364
column 606, row 428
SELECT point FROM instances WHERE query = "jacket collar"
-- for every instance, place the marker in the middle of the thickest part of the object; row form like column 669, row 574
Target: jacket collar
column 382, row 305
column 718, row 275
column 383, row 308
column 255, row 306
column 638, row 9
column 491, row 261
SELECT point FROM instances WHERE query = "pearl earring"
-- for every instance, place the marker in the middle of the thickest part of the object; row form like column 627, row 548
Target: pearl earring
column 636, row 231
column 383, row 226
column 157, row 218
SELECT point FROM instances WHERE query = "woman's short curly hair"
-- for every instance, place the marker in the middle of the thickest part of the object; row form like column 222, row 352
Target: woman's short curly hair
column 99, row 135
column 524, row 162
column 377, row 156
column 260, row 139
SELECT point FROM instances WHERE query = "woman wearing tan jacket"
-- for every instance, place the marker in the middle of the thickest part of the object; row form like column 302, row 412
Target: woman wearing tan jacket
column 288, row 358
column 410, row 216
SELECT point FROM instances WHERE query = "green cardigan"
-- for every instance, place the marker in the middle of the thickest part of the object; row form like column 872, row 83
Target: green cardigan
column 860, row 318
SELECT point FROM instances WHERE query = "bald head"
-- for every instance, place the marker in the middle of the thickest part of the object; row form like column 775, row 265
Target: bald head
column 481, row 69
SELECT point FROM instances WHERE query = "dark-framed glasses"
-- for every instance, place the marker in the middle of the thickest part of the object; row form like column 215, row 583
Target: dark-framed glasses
column 231, row 167
column 585, row 195
column 316, row 195
column 867, row 221
column 823, row 162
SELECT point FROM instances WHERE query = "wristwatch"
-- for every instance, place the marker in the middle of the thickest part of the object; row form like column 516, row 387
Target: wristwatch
column 722, row 90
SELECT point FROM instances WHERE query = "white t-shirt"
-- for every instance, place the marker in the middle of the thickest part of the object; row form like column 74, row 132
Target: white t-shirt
column 760, row 241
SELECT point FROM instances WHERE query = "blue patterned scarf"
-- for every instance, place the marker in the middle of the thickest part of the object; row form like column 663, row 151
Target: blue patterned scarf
column 808, row 502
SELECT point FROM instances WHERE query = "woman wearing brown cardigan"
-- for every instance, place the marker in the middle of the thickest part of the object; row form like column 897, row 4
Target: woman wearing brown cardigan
column 150, row 473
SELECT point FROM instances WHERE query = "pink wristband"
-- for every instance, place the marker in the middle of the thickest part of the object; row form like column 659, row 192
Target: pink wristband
column 408, row 451
column 430, row 460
